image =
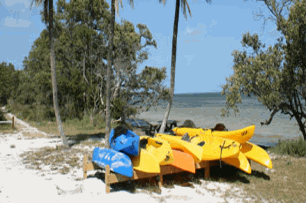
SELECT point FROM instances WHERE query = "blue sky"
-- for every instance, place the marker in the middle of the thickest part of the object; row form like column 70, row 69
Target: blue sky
column 205, row 41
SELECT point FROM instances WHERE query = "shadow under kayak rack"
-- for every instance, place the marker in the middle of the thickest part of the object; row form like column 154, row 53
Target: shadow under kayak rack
column 111, row 177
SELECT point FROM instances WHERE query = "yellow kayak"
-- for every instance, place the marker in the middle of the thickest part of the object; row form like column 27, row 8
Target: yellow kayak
column 240, row 162
column 215, row 148
column 241, row 135
column 176, row 143
column 160, row 148
column 145, row 162
column 256, row 153
column 154, row 152
column 204, row 148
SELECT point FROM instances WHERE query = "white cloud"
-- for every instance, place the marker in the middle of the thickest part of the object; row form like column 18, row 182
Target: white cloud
column 213, row 22
column 193, row 31
column 10, row 22
column 196, row 40
column 12, row 2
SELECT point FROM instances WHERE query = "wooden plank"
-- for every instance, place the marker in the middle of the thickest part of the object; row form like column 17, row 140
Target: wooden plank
column 207, row 171
column 164, row 170
column 111, row 178
column 116, row 178
column 202, row 164
column 88, row 166
column 5, row 122
column 160, row 181
column 85, row 167
column 107, row 176
column 9, row 122
column 167, row 169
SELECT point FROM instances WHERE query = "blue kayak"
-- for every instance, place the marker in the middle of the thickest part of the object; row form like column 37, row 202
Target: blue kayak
column 118, row 162
column 123, row 140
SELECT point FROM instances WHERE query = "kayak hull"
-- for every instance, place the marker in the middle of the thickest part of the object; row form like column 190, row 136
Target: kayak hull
column 240, row 162
column 215, row 148
column 160, row 148
column 145, row 162
column 176, row 143
column 241, row 135
column 183, row 161
column 127, row 143
column 119, row 162
column 257, row 154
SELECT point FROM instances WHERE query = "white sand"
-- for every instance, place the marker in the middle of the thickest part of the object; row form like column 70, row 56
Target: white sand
column 20, row 184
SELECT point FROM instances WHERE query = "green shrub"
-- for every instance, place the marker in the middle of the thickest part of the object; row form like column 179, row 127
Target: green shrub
column 99, row 121
column 120, row 107
column 295, row 148
column 26, row 112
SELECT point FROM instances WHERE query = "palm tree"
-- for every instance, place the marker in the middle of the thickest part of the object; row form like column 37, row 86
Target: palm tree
column 114, row 7
column 49, row 20
column 184, row 5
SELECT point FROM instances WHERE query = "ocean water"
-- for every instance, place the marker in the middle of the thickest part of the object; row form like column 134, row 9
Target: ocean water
column 204, row 109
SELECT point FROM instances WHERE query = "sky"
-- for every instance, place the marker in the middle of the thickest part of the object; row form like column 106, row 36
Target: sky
column 205, row 40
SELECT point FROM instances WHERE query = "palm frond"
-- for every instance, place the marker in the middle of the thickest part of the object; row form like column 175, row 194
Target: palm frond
column 36, row 2
column 131, row 2
column 117, row 6
column 184, row 5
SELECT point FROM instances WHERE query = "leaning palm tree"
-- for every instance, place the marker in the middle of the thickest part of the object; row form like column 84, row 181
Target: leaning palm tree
column 184, row 5
column 114, row 7
column 49, row 21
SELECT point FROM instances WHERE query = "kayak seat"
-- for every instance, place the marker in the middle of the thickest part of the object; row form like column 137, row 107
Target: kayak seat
column 143, row 143
column 186, row 137
column 201, row 143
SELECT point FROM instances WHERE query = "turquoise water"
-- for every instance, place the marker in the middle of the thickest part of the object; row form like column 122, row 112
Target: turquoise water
column 204, row 109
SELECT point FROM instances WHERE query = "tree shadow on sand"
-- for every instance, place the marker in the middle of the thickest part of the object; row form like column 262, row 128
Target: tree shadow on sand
column 226, row 174
column 78, row 139
column 128, row 186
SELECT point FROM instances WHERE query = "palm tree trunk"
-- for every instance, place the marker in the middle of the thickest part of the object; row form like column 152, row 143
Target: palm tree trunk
column 173, row 63
column 108, row 73
column 53, row 75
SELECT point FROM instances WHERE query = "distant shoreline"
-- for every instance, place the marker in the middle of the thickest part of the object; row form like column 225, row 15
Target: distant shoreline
column 197, row 93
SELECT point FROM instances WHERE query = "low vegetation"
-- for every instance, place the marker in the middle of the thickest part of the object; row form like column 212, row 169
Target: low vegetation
column 5, row 127
column 295, row 148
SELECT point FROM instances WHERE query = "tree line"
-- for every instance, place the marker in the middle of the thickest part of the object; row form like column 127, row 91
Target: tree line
column 81, row 48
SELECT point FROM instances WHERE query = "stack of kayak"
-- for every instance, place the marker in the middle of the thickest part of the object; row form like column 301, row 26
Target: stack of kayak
column 142, row 153
column 188, row 146
column 246, row 151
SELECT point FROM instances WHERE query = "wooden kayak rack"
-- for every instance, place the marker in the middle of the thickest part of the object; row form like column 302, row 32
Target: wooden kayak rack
column 111, row 177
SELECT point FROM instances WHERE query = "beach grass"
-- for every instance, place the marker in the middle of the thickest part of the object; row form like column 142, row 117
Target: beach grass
column 6, row 128
column 286, row 182
column 296, row 148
